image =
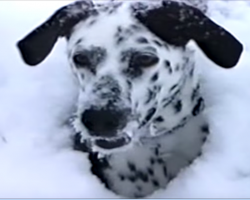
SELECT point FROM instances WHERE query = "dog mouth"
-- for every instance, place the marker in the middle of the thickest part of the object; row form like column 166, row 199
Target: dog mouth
column 112, row 143
column 102, row 146
column 85, row 142
column 123, row 139
column 131, row 135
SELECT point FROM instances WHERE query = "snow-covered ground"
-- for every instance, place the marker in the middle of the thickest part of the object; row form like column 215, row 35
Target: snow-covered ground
column 36, row 159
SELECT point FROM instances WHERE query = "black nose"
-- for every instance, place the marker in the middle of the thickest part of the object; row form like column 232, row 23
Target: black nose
column 103, row 122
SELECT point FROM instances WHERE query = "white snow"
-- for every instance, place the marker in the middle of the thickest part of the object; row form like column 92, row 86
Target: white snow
column 36, row 159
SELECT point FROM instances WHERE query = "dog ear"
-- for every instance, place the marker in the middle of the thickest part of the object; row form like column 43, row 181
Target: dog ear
column 36, row 46
column 177, row 23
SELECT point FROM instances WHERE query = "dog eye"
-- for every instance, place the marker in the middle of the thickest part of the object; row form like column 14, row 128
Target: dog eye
column 81, row 60
column 143, row 60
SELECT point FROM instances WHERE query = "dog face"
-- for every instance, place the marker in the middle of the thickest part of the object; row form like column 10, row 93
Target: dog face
column 126, row 76
column 130, row 67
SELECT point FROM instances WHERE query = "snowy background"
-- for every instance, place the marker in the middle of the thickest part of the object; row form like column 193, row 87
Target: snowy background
column 36, row 159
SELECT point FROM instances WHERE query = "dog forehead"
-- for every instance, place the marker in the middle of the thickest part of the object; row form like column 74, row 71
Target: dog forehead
column 101, row 29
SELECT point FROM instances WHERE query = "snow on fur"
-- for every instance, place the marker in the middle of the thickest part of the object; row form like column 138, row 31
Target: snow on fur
column 35, row 151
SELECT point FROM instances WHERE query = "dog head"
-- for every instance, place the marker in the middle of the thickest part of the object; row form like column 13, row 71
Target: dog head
column 130, row 59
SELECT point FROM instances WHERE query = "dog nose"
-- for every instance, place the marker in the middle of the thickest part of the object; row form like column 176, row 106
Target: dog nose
column 103, row 122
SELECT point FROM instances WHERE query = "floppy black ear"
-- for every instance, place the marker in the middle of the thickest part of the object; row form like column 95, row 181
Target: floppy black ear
column 177, row 23
column 36, row 46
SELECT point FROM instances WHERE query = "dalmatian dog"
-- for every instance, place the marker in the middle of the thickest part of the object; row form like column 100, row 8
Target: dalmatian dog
column 139, row 113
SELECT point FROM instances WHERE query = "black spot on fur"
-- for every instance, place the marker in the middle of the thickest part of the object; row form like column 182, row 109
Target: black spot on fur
column 198, row 107
column 142, row 40
column 103, row 8
column 178, row 106
column 168, row 66
column 177, row 68
column 129, row 84
column 204, row 139
column 119, row 35
column 132, row 178
column 199, row 154
column 149, row 115
column 132, row 166
column 160, row 161
column 110, row 9
column 155, row 183
column 159, row 119
column 165, row 171
column 155, row 77
column 150, row 171
column 205, row 128
column 195, row 93
column 167, row 63
column 166, row 46
column 156, row 151
column 152, row 161
column 79, row 41
column 122, row 177
column 119, row 40
column 191, row 73
column 92, row 22
column 142, row 176
column 173, row 87
column 190, row 161
column 186, row 59
column 183, row 120
column 157, row 88
column 158, row 43
column 135, row 27
column 150, row 96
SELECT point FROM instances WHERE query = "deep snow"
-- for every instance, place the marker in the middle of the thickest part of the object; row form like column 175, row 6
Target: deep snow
column 36, row 159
